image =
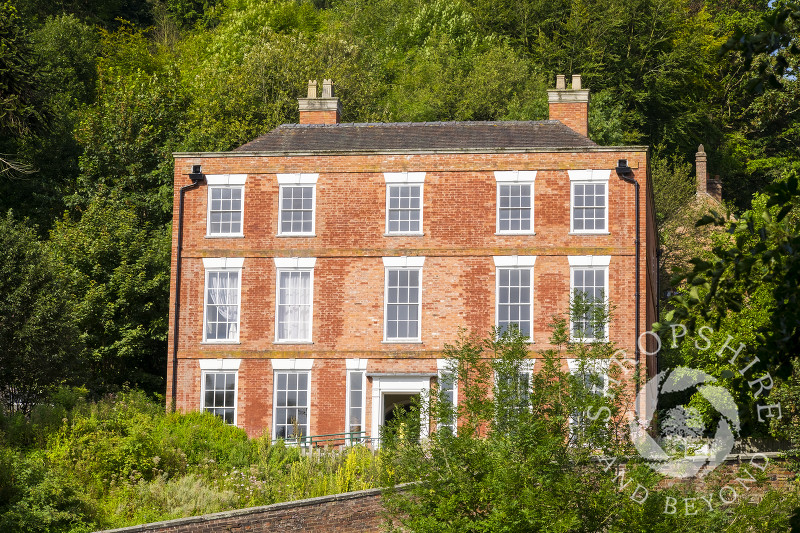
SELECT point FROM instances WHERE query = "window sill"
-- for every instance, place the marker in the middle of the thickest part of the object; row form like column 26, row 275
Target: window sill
column 401, row 341
column 292, row 342
column 501, row 233
column 530, row 341
column 226, row 236
column 218, row 343
column 284, row 235
column 404, row 234
column 589, row 233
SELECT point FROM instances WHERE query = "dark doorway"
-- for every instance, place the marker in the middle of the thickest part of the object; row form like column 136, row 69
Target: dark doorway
column 395, row 405
column 400, row 417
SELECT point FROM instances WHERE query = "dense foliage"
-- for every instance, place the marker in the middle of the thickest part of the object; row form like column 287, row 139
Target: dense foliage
column 75, row 466
column 539, row 458
column 93, row 103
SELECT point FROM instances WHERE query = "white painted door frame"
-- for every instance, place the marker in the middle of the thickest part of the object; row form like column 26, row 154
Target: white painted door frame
column 383, row 384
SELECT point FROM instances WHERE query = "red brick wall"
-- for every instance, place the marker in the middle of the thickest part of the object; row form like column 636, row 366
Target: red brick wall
column 458, row 275
column 574, row 115
column 341, row 513
column 319, row 117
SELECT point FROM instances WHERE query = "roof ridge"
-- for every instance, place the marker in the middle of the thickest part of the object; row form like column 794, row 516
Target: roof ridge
column 354, row 136
column 418, row 124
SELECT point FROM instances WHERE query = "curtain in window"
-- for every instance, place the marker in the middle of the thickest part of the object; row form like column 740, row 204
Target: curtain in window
column 223, row 305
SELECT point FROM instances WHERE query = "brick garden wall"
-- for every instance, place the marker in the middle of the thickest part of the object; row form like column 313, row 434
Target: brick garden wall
column 341, row 513
column 363, row 510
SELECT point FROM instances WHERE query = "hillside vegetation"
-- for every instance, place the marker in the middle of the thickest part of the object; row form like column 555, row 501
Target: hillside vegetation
column 94, row 101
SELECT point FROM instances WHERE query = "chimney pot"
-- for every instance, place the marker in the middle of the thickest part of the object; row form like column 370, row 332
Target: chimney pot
column 701, row 170
column 315, row 110
column 327, row 89
column 570, row 107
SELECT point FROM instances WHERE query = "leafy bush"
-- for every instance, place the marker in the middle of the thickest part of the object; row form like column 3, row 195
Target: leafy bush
column 537, row 463
column 76, row 466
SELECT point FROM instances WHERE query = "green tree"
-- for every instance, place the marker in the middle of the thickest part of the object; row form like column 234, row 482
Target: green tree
column 39, row 346
column 65, row 52
column 130, row 132
column 20, row 110
column 761, row 255
column 118, row 271
column 520, row 457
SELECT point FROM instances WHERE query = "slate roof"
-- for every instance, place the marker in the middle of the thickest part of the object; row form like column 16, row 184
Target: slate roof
column 417, row 136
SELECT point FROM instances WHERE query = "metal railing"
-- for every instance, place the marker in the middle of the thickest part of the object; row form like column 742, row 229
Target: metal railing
column 329, row 440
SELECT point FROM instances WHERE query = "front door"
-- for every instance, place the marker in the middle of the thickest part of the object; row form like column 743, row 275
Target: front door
column 396, row 391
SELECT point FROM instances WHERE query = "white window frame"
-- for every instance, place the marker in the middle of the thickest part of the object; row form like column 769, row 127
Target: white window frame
column 601, row 366
column 512, row 262
column 220, row 366
column 443, row 367
column 526, row 369
column 401, row 263
column 356, row 366
column 587, row 177
column 294, row 264
column 224, row 181
column 588, row 262
column 223, row 264
column 401, row 179
column 290, row 366
column 514, row 177
column 298, row 180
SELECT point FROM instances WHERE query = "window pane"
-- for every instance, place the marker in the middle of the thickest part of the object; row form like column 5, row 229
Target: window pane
column 222, row 305
column 291, row 404
column 404, row 210
column 225, row 212
column 589, row 291
column 297, row 209
column 588, row 207
column 514, row 207
column 220, row 393
column 294, row 301
column 514, row 299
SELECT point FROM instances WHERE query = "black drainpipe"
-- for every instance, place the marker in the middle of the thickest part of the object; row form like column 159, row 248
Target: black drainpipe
column 197, row 178
column 626, row 173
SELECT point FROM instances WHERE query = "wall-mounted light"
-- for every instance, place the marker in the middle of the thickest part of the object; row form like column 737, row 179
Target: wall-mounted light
column 197, row 174
column 623, row 170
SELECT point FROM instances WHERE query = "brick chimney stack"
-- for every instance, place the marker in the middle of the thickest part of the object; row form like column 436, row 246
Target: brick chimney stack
column 570, row 106
column 701, row 170
column 320, row 110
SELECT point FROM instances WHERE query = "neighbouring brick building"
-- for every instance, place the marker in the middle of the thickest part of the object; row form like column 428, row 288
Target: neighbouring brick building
column 321, row 268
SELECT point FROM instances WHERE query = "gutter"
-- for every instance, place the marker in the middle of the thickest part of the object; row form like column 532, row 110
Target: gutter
column 625, row 173
column 198, row 178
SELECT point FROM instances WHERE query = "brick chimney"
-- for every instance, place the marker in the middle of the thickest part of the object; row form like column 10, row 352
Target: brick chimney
column 715, row 188
column 701, row 170
column 570, row 106
column 324, row 110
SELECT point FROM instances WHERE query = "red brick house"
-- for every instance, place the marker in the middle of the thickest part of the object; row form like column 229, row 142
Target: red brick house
column 321, row 268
